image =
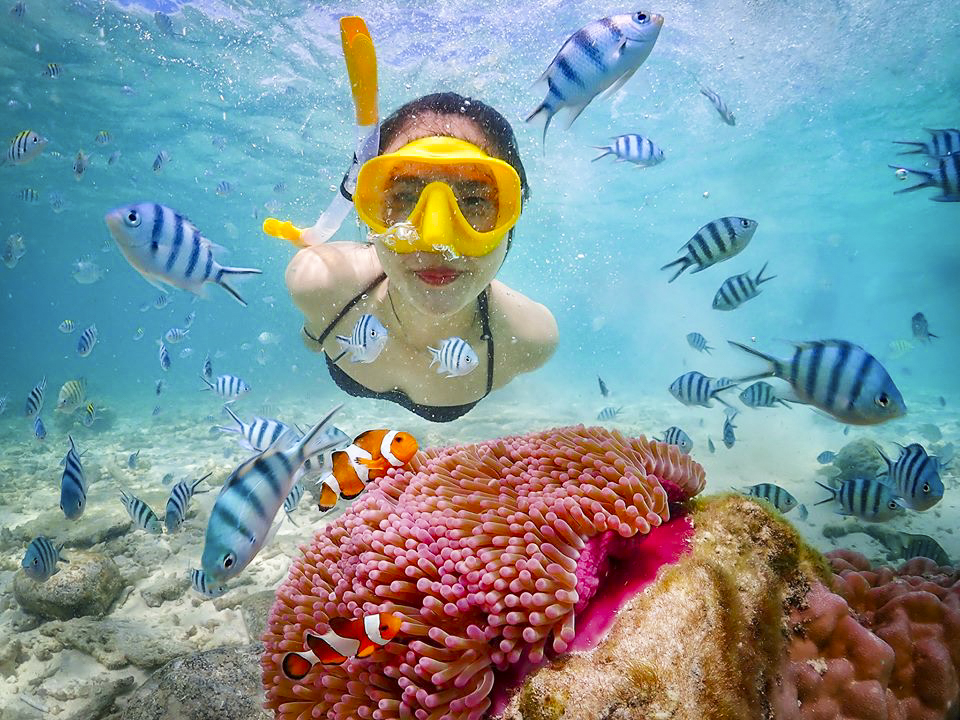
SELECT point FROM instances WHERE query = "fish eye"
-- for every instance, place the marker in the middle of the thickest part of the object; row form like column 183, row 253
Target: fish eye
column 926, row 487
column 228, row 560
column 641, row 17
column 133, row 218
column 745, row 223
column 883, row 399
column 892, row 505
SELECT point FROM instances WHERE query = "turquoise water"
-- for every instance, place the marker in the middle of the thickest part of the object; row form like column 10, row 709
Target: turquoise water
column 255, row 94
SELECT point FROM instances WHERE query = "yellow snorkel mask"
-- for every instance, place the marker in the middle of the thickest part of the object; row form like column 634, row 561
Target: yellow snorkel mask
column 458, row 198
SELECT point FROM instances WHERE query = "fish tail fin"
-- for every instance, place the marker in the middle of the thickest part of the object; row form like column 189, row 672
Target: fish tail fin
column 760, row 278
column 607, row 150
column 921, row 147
column 930, row 181
column 775, row 369
column 209, row 384
column 930, row 334
column 314, row 442
column 236, row 271
column 832, row 491
column 683, row 262
column 434, row 355
column 550, row 111
column 232, row 414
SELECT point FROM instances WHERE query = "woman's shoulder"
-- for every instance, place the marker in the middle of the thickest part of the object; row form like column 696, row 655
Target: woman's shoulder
column 322, row 276
column 526, row 329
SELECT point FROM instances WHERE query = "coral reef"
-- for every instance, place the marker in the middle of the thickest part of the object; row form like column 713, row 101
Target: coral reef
column 490, row 552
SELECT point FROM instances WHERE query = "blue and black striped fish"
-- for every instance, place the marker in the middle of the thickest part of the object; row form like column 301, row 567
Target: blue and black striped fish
column 205, row 585
column 35, row 398
column 73, row 484
column 695, row 388
column 454, row 357
column 207, row 368
column 179, row 501
column 175, row 335
column 781, row 499
column 946, row 177
column 917, row 545
column 633, row 148
column 88, row 338
column 28, row 196
column 838, row 377
column 915, row 477
column 40, row 562
column 715, row 242
column 941, row 143
column 675, row 436
column 141, row 514
column 163, row 356
column 261, row 433
column 698, row 342
column 729, row 438
column 868, row 499
column 227, row 386
column 738, row 289
column 224, row 188
column 52, row 71
column 164, row 246
column 293, row 499
column 609, row 413
column 162, row 158
column 761, row 394
column 39, row 430
column 161, row 301
column 366, row 342
column 720, row 105
column 26, row 146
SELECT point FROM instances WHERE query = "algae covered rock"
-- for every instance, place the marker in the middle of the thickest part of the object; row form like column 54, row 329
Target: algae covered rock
column 858, row 459
column 88, row 585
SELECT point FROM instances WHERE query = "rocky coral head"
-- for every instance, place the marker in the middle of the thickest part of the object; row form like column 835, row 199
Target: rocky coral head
column 495, row 555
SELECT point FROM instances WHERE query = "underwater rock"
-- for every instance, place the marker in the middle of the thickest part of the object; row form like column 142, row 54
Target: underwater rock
column 165, row 588
column 213, row 685
column 88, row 585
column 255, row 609
column 99, row 698
column 104, row 525
column 703, row 642
column 858, row 459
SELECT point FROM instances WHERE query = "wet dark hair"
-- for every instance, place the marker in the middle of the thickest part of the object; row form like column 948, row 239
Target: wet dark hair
column 496, row 128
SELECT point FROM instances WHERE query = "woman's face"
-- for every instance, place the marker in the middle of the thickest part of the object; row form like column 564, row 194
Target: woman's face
column 436, row 284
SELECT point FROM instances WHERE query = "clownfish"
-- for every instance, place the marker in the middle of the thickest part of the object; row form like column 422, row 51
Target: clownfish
column 347, row 638
column 368, row 458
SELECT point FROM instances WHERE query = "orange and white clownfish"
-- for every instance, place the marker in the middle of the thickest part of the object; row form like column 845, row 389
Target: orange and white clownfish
column 368, row 458
column 347, row 638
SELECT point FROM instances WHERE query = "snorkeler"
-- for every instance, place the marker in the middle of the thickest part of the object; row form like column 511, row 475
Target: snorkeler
column 449, row 170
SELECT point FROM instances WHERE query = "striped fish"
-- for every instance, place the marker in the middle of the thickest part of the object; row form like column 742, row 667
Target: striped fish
column 162, row 158
column 89, row 415
column 205, row 585
column 26, row 146
column 52, row 71
column 719, row 104
column 164, row 357
column 698, row 342
column 80, row 164
column 838, row 377
column 603, row 387
column 39, row 431
column 738, row 289
column 175, row 335
column 141, row 514
column 941, row 143
column 675, row 436
column 249, row 501
column 280, row 187
column 761, row 394
column 179, row 501
column 946, row 177
column 88, row 338
column 207, row 368
column 28, row 196
column 161, row 301
column 224, row 188
column 138, row 334
column 133, row 459
column 227, row 386
column 158, row 387
column 73, row 484
column 102, row 138
column 261, row 433
column 292, row 500
column 14, row 249
column 366, row 342
column 602, row 55
column 454, row 357
column 921, row 328
column 826, row 457
column 915, row 476
column 165, row 247
column 869, row 500
column 609, row 413
column 57, row 202
column 633, row 148
column 72, row 394
column 715, row 242
column 188, row 320
column 781, row 499
column 40, row 562
column 694, row 388
column 729, row 438
column 35, row 398
column 3, row 404
column 916, row 545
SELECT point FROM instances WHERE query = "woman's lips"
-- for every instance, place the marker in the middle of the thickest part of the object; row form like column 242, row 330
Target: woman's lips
column 437, row 276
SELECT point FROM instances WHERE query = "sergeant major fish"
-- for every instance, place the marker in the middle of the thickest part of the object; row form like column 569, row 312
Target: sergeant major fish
column 870, row 500
column 88, row 338
column 826, row 457
column 609, row 413
column 675, row 436
column 695, row 388
column 698, row 342
column 73, row 484
column 633, row 148
column 729, row 438
column 781, row 499
column 761, row 394
column 366, row 342
column 80, row 164
column 715, row 242
column 602, row 55
column 738, row 289
column 261, row 433
column 719, row 104
column 26, row 146
column 921, row 328
column 916, row 545
column 67, row 327
column 89, row 415
column 915, row 476
column 40, row 562
column 227, row 386
column 454, row 357
column 164, row 356
column 162, row 158
column 39, row 431
column 946, row 177
column 292, row 500
column 165, row 247
column 72, row 394
column 141, row 514
column 34, row 402
column 179, row 501
column 941, row 143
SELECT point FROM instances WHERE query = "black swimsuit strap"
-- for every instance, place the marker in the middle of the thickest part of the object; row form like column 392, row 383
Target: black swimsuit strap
column 346, row 308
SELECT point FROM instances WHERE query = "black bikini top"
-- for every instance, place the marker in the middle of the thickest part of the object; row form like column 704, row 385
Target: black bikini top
column 435, row 413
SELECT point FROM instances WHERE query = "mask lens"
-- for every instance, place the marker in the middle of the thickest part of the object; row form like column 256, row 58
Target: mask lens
column 473, row 186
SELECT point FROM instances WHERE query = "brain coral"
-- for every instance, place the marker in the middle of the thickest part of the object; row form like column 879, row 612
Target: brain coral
column 477, row 547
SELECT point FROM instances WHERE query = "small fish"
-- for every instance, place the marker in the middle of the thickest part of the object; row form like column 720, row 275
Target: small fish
column 156, row 410
column 454, row 357
column 695, row 388
column 941, row 143
column 80, row 164
column 179, row 501
column 67, row 327
column 14, row 249
column 923, row 546
column 224, row 188
column 35, row 398
column 946, row 177
column 162, row 158
column 102, row 138
column 737, row 289
column 18, row 11
column 39, row 430
column 161, row 301
column 366, row 459
column 826, row 457
column 719, row 104
column 899, row 348
column 603, row 387
column 227, row 386
column 128, row 91
column 164, row 22
column 141, row 514
column 28, row 196
column 57, row 202
column 280, row 187
column 698, row 342
column 943, row 401
column 715, row 242
column 89, row 415
column 366, row 342
column 710, row 446
column 114, row 156
column 73, row 484
column 88, row 338
column 921, row 328
column 729, row 438
column 72, row 394
column 138, row 334
column 867, row 499
column 3, row 404
column 133, row 459
column 159, row 386
column 246, row 506
column 347, row 638
column 26, row 146
column 163, row 356
column 188, row 320
column 602, row 55
column 185, row 353
column 915, row 477
column 839, row 378
column 609, row 413
column 204, row 585
column 761, row 394
column 261, row 433
column 86, row 272
column 52, row 71
column 165, row 247
column 633, row 148
column 675, row 436
column 292, row 500
column 175, row 335
column 40, row 562
column 207, row 372
column 781, row 499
